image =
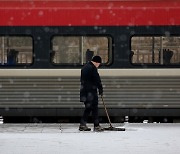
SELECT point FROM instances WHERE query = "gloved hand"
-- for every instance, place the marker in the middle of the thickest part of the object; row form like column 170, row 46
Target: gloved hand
column 101, row 92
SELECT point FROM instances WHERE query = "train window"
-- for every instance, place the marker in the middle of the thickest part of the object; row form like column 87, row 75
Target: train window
column 155, row 50
column 15, row 50
column 77, row 50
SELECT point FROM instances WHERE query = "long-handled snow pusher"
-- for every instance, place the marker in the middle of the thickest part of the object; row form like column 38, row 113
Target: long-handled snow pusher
column 111, row 128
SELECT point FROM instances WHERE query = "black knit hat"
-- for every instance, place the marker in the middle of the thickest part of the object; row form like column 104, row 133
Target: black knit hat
column 97, row 59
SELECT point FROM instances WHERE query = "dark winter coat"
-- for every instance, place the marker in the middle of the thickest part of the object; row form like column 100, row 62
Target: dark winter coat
column 90, row 82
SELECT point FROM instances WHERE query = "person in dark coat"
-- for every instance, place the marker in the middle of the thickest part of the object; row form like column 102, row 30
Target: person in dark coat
column 12, row 57
column 90, row 83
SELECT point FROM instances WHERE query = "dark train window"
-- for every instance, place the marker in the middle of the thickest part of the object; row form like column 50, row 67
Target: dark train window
column 15, row 50
column 77, row 50
column 155, row 50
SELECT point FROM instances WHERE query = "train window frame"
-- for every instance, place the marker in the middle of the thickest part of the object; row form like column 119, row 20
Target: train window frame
column 109, row 51
column 162, row 51
column 14, row 50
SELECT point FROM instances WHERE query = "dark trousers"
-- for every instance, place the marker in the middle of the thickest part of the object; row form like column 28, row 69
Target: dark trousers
column 90, row 107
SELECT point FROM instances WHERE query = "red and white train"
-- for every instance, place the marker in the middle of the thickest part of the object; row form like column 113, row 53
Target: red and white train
column 45, row 43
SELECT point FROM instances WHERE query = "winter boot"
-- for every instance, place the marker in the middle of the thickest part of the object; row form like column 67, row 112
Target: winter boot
column 98, row 129
column 84, row 128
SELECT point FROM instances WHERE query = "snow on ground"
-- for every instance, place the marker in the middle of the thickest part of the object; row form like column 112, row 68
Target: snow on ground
column 49, row 139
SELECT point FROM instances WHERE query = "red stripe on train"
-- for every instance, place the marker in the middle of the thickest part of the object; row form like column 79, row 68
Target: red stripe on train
column 58, row 13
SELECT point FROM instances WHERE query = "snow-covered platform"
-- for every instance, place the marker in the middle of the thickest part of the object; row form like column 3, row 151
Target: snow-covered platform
column 66, row 139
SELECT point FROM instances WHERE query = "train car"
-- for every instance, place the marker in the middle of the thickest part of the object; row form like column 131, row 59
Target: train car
column 45, row 43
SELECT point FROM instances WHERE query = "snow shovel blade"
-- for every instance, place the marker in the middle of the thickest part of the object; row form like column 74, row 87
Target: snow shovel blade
column 114, row 129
